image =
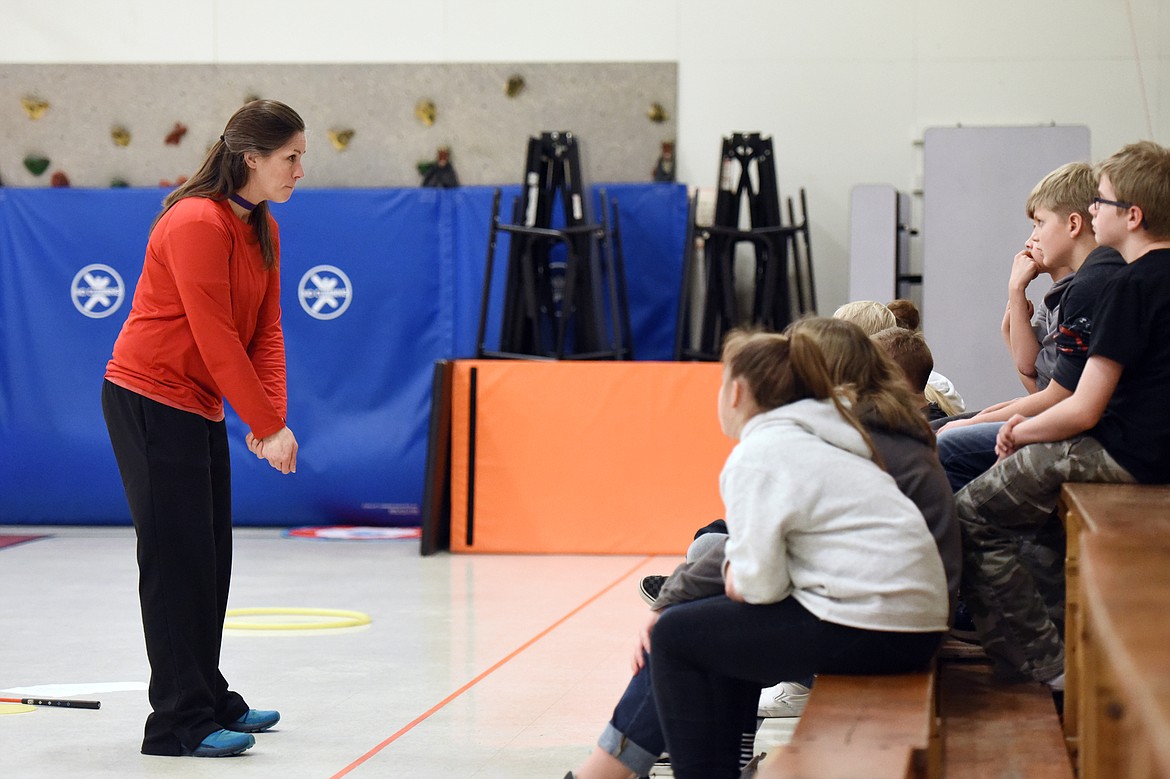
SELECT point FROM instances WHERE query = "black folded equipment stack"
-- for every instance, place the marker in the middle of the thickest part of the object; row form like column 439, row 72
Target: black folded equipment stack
column 782, row 287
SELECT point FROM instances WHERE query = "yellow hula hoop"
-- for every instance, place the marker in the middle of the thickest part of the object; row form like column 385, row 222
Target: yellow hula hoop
column 341, row 619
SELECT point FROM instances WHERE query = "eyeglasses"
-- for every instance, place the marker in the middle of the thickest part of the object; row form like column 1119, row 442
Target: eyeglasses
column 1100, row 201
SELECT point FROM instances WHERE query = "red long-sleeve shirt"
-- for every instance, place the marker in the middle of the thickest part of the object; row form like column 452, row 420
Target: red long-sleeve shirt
column 205, row 321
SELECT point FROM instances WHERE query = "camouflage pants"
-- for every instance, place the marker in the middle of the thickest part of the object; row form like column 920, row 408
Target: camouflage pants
column 1013, row 580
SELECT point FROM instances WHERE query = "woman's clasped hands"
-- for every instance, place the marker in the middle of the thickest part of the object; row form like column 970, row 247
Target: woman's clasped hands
column 279, row 449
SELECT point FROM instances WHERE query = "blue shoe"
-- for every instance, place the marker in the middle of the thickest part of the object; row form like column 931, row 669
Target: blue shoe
column 224, row 743
column 255, row 721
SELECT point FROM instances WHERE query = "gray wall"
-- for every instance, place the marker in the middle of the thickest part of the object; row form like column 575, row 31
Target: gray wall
column 604, row 104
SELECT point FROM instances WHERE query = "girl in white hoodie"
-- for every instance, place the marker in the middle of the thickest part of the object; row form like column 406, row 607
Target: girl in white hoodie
column 829, row 567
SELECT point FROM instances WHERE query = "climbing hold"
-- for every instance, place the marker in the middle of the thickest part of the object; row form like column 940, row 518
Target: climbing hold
column 59, row 179
column 439, row 173
column 340, row 138
column 34, row 106
column 120, row 135
column 36, row 165
column 426, row 112
column 175, row 136
column 514, row 85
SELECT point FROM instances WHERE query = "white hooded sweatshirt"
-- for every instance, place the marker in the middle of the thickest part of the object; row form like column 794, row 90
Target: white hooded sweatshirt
column 812, row 516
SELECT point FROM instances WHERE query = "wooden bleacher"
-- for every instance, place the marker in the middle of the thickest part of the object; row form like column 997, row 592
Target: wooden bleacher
column 955, row 722
column 1117, row 656
column 1114, row 510
column 996, row 730
column 1117, row 701
column 870, row 727
column 959, row 722
column 1125, row 689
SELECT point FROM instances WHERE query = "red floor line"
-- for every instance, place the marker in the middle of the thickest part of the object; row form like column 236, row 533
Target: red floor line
column 499, row 664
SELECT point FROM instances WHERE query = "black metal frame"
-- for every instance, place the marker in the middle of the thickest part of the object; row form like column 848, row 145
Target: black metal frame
column 541, row 319
column 783, row 277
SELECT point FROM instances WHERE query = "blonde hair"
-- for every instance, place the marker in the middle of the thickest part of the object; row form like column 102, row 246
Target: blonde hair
column 942, row 401
column 1065, row 191
column 870, row 315
column 1140, row 174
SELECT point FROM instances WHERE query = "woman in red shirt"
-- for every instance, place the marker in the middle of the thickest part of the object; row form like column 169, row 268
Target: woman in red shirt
column 204, row 326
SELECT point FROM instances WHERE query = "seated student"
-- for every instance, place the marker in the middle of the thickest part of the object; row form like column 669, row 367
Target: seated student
column 872, row 316
column 1064, row 234
column 909, row 351
column 905, row 313
column 818, row 579
column 1112, row 428
column 633, row 739
column 1029, row 331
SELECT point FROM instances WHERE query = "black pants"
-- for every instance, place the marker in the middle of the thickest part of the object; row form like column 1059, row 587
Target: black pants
column 711, row 657
column 177, row 475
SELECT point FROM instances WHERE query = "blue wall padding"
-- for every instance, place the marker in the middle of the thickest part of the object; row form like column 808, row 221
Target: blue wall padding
column 359, row 384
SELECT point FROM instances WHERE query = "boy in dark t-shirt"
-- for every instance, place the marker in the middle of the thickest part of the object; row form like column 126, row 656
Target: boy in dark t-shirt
column 1112, row 428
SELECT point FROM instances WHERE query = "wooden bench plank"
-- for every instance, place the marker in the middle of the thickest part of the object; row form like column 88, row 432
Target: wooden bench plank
column 823, row 760
column 1132, row 510
column 887, row 711
column 846, row 709
column 1125, row 709
column 995, row 730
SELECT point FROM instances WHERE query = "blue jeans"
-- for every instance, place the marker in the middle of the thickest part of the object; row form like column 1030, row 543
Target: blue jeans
column 634, row 735
column 967, row 452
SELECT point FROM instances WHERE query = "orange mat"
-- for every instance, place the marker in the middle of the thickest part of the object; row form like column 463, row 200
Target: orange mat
column 583, row 457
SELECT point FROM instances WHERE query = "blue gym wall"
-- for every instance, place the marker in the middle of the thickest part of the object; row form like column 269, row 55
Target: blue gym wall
column 359, row 383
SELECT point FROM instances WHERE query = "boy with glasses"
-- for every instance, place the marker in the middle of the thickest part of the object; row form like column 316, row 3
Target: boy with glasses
column 1113, row 428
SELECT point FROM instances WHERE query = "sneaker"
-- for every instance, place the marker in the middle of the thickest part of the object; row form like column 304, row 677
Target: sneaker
column 786, row 699
column 661, row 768
column 224, row 743
column 255, row 721
column 650, row 586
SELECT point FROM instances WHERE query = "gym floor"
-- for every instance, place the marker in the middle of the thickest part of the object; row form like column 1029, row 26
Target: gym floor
column 494, row 666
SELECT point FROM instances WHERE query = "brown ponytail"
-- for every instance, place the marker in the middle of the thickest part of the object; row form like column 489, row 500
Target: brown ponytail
column 782, row 369
column 261, row 127
column 881, row 397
